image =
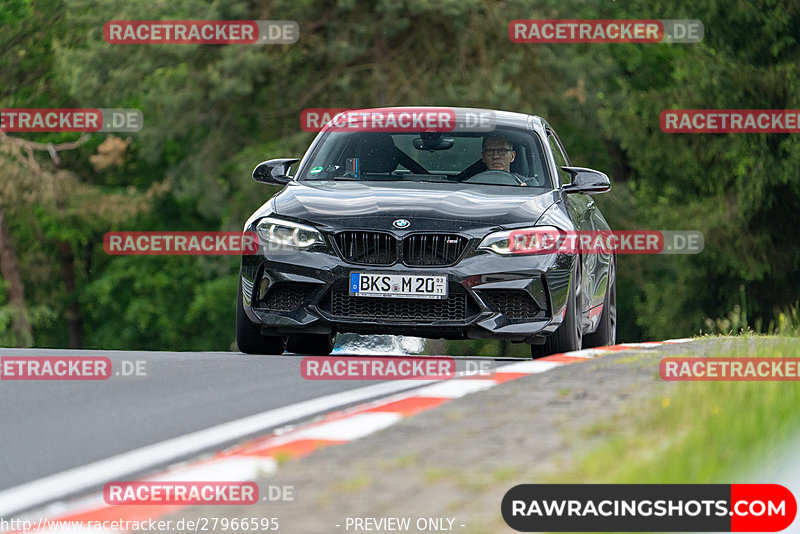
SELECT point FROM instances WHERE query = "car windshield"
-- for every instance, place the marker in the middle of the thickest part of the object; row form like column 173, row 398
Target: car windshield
column 515, row 158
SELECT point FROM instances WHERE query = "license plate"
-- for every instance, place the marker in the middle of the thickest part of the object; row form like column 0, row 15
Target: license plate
column 404, row 286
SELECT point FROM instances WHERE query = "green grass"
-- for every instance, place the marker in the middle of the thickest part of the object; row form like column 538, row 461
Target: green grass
column 702, row 432
column 355, row 483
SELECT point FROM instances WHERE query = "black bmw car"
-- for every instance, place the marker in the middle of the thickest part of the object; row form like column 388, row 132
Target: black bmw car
column 409, row 227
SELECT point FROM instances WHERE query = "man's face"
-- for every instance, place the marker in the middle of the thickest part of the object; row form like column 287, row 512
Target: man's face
column 497, row 155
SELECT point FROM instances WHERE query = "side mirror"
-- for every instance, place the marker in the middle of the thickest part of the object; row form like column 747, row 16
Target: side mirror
column 586, row 181
column 274, row 171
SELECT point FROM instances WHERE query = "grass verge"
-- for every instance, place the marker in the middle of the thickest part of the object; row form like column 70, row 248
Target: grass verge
column 702, row 432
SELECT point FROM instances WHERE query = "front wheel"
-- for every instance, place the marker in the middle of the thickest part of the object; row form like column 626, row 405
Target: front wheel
column 606, row 333
column 248, row 335
column 568, row 336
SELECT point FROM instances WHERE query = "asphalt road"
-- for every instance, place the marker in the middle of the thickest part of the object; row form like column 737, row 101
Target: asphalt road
column 49, row 426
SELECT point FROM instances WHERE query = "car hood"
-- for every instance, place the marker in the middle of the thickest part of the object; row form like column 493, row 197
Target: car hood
column 349, row 204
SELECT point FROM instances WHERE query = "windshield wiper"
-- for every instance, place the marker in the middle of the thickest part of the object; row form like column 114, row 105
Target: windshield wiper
column 336, row 178
column 443, row 181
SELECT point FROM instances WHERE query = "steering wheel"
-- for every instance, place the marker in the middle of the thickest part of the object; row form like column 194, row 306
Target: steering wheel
column 494, row 178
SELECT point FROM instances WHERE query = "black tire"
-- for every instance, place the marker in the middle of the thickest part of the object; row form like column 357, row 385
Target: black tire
column 606, row 333
column 248, row 335
column 569, row 336
column 315, row 344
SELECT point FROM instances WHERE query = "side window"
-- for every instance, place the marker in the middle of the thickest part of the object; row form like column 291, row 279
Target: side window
column 560, row 158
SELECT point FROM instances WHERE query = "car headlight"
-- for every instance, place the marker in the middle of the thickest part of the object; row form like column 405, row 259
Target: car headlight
column 277, row 232
column 521, row 241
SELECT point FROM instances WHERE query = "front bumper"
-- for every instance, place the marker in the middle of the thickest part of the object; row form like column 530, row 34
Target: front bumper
column 520, row 298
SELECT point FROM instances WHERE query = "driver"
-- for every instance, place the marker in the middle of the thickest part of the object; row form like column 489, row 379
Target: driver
column 497, row 153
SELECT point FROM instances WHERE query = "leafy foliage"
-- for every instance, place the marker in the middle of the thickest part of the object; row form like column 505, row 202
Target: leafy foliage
column 212, row 112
